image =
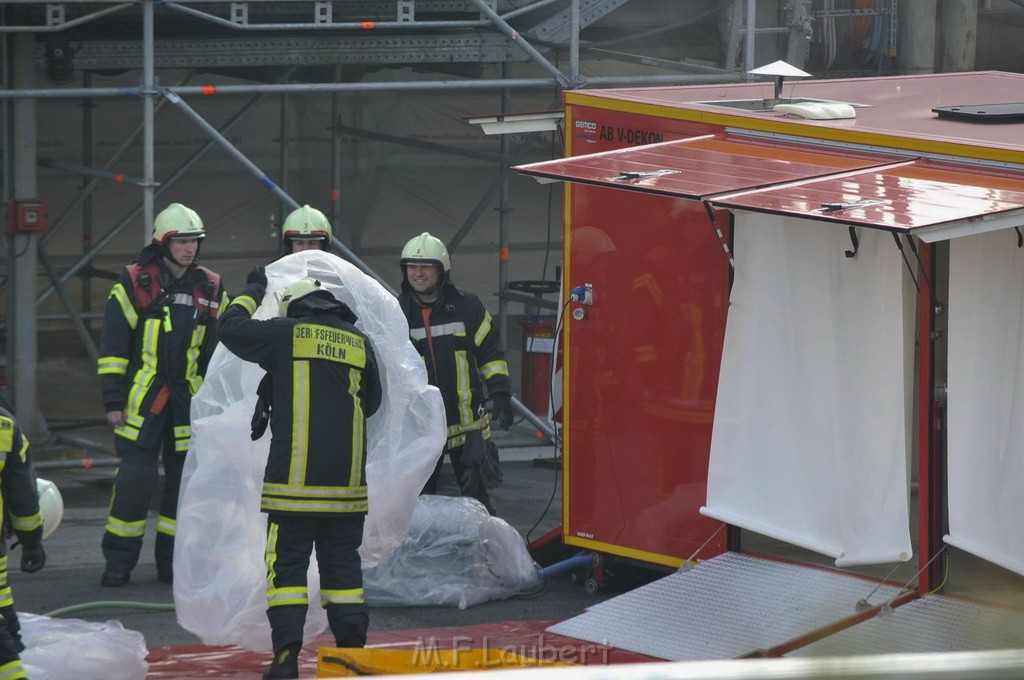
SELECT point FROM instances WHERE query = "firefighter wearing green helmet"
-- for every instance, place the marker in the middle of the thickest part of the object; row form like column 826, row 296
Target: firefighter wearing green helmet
column 305, row 228
column 454, row 334
column 159, row 331
column 322, row 383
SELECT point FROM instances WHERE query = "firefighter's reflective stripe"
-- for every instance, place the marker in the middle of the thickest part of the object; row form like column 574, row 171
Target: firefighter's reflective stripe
column 120, row 295
column 26, row 523
column 272, row 503
column 13, row 670
column 358, row 424
column 279, row 597
column 127, row 431
column 120, row 527
column 270, row 552
column 6, row 597
column 456, row 328
column 112, row 366
column 300, row 423
column 6, row 436
column 195, row 381
column 166, row 525
column 463, row 387
column 182, row 437
column 493, row 368
column 352, row 596
column 315, row 492
column 145, row 376
column 246, row 302
column 483, row 330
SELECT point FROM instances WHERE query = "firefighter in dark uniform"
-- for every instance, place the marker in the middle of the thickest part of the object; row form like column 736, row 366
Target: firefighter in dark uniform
column 159, row 331
column 305, row 228
column 324, row 384
column 19, row 506
column 461, row 347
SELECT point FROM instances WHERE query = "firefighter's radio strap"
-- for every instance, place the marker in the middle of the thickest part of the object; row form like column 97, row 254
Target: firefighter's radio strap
column 264, row 404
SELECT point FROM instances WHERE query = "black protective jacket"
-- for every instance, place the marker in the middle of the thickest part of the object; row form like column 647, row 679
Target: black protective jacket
column 158, row 336
column 463, row 352
column 325, row 385
column 19, row 500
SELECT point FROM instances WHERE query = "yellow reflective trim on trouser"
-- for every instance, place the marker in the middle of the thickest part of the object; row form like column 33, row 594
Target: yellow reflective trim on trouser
column 483, row 330
column 127, row 308
column 119, row 527
column 246, row 302
column 270, row 553
column 166, row 525
column 13, row 670
column 27, row 523
column 358, row 423
column 279, row 597
column 462, row 387
column 111, row 366
column 352, row 596
column 6, row 597
column 494, row 368
column 300, row 423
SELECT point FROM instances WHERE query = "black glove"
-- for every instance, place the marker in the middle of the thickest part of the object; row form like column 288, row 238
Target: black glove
column 257, row 275
column 503, row 412
column 32, row 559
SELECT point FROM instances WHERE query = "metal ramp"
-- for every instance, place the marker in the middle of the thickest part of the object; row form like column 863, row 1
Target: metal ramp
column 724, row 608
column 930, row 624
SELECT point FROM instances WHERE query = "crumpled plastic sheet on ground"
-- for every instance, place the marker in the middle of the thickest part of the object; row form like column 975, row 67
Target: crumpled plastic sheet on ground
column 219, row 569
column 455, row 554
column 58, row 649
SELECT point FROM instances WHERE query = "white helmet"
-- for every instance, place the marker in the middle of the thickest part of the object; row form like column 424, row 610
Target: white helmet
column 297, row 291
column 51, row 505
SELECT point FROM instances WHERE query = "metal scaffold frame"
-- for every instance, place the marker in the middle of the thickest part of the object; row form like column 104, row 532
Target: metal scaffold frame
column 18, row 97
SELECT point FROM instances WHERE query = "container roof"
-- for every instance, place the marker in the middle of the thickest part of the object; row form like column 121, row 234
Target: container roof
column 891, row 112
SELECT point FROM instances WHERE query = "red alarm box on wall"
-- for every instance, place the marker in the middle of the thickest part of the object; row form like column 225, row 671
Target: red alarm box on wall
column 27, row 215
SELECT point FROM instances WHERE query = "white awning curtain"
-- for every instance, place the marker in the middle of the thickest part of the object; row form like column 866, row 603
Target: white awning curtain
column 810, row 438
column 986, row 398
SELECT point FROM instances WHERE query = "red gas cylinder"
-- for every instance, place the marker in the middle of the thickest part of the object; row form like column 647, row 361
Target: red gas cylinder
column 538, row 347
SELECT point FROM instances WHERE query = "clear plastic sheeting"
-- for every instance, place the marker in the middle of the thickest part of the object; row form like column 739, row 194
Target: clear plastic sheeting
column 58, row 649
column 220, row 574
column 455, row 554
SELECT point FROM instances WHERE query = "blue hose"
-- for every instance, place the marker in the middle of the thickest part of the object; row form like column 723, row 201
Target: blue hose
column 580, row 560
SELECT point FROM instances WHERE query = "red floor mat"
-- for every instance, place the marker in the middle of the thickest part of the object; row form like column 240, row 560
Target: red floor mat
column 195, row 662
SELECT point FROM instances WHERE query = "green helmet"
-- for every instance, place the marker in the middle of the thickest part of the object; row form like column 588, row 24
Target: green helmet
column 178, row 221
column 297, row 291
column 307, row 223
column 426, row 249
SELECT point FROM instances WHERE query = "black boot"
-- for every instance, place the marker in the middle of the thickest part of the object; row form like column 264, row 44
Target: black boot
column 285, row 663
column 351, row 636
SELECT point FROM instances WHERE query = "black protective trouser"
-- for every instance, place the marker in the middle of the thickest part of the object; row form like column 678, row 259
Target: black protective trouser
column 470, row 479
column 133, row 491
column 10, row 644
column 290, row 541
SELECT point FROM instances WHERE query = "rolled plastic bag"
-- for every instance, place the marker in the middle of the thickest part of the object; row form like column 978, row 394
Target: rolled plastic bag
column 58, row 649
column 454, row 554
column 219, row 568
